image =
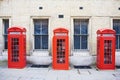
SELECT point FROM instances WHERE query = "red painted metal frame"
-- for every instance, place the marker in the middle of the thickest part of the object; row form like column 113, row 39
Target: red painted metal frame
column 12, row 34
column 100, row 48
column 55, row 64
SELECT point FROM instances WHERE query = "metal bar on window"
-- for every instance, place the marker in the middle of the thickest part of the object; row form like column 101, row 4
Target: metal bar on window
column 118, row 42
column 41, row 42
column 80, row 41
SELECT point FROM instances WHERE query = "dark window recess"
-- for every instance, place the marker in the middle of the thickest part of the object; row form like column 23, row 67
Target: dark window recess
column 118, row 67
column 61, row 16
column 119, row 8
column 82, row 67
column 40, row 7
column 6, row 26
column 116, row 27
column 39, row 66
column 80, row 7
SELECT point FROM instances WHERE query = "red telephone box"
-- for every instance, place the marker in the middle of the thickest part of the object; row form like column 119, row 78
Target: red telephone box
column 16, row 47
column 60, row 49
column 106, row 49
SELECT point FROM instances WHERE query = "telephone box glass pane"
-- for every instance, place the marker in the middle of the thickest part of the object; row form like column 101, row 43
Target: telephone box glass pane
column 60, row 51
column 15, row 49
column 107, row 51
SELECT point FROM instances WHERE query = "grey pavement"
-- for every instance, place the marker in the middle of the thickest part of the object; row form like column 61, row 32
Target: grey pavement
column 29, row 73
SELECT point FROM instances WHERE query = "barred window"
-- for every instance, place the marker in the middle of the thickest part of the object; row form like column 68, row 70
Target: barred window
column 6, row 26
column 116, row 27
column 41, row 33
column 80, row 33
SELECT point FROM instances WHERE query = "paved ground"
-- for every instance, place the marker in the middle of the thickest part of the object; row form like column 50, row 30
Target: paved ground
column 29, row 73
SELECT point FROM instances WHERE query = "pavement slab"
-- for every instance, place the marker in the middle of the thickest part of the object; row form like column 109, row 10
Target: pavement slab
column 29, row 73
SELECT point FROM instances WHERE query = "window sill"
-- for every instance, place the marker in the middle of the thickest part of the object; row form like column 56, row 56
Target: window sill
column 117, row 52
column 81, row 53
column 40, row 53
column 84, row 50
column 40, row 50
column 5, row 52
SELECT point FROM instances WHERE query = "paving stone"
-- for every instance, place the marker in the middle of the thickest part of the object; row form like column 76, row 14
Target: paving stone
column 50, row 74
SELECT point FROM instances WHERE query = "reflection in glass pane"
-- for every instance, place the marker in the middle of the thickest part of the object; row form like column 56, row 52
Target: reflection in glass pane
column 45, row 27
column 37, row 42
column 76, row 27
column 117, row 29
column 41, row 26
column 119, row 42
column 41, row 33
column 6, row 25
column 45, row 30
column 44, row 42
column 37, row 29
column 83, row 42
column 80, row 33
column 117, row 39
column 5, row 42
column 76, row 42
column 116, row 26
column 84, row 28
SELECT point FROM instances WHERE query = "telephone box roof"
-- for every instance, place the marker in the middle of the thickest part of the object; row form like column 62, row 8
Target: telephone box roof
column 17, row 29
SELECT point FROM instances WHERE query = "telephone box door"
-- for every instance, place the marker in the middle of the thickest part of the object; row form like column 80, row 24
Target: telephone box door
column 14, row 51
column 16, row 47
column 106, row 49
column 109, row 55
column 60, row 50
